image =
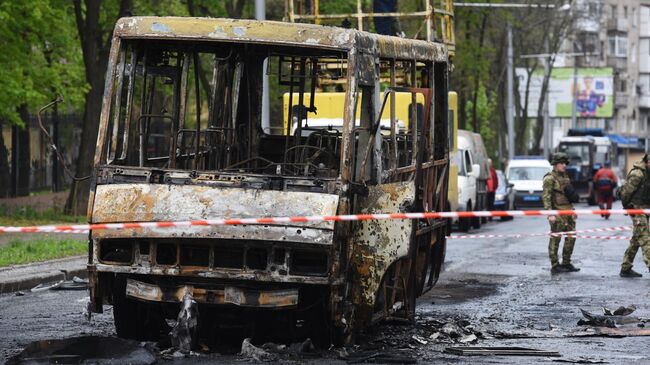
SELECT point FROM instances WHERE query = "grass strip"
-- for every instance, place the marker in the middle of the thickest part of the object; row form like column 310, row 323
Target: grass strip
column 27, row 216
column 22, row 252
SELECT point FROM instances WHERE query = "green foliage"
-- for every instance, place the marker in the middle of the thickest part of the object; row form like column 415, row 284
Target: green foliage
column 22, row 252
column 40, row 56
column 485, row 112
column 27, row 216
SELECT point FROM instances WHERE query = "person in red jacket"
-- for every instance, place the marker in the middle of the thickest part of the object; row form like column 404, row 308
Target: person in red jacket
column 492, row 185
column 604, row 183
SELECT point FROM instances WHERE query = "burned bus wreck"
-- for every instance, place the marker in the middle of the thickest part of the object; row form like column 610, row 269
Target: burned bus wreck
column 183, row 136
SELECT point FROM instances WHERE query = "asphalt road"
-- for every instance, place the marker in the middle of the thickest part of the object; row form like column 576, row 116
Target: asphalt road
column 502, row 287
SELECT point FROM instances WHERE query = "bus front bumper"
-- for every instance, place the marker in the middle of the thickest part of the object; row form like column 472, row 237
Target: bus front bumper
column 228, row 295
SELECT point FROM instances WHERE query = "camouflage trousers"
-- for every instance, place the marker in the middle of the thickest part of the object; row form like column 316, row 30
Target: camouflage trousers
column 562, row 224
column 640, row 237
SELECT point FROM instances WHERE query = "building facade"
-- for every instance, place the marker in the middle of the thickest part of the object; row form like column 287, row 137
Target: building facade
column 616, row 34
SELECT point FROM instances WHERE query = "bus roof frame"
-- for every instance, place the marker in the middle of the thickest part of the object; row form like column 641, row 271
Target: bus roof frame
column 273, row 32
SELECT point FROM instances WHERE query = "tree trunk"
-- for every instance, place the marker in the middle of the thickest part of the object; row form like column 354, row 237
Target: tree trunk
column 23, row 160
column 95, row 54
column 235, row 8
column 5, row 173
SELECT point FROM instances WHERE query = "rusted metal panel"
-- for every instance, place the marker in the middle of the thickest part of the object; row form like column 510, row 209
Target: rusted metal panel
column 235, row 30
column 157, row 202
column 248, row 232
column 228, row 295
column 259, row 276
column 379, row 243
column 302, row 35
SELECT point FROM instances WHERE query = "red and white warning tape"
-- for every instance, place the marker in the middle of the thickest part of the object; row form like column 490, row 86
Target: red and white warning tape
column 568, row 233
column 321, row 218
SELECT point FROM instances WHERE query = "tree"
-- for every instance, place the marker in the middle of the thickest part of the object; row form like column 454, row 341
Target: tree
column 556, row 25
column 95, row 27
column 37, row 62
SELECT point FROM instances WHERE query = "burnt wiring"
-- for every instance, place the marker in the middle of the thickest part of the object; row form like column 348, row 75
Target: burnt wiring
column 55, row 149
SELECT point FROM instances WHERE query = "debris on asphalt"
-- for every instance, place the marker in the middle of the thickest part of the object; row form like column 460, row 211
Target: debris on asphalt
column 468, row 339
column 303, row 348
column 452, row 330
column 86, row 350
column 499, row 351
column 612, row 332
column 380, row 357
column 253, row 352
column 76, row 283
column 19, row 294
column 419, row 339
column 620, row 311
column 609, row 320
column 581, row 360
column 183, row 334
column 43, row 287
column 597, row 320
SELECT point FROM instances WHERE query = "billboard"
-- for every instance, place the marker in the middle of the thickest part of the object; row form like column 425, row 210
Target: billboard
column 594, row 97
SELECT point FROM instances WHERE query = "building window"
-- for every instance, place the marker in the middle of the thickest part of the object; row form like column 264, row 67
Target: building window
column 625, row 12
column 622, row 85
column 634, row 17
column 617, row 45
column 613, row 11
column 644, row 83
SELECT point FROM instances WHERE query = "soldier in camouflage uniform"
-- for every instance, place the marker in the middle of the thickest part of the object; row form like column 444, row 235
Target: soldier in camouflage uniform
column 558, row 194
column 635, row 194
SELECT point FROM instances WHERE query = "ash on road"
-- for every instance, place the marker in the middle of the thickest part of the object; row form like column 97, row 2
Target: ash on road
column 500, row 289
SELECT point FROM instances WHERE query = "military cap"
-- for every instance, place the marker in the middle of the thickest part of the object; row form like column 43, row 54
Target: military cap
column 559, row 157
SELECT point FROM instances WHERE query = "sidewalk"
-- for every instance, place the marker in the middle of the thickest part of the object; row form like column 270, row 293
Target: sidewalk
column 25, row 277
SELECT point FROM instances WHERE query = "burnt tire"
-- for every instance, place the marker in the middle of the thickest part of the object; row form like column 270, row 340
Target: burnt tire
column 134, row 320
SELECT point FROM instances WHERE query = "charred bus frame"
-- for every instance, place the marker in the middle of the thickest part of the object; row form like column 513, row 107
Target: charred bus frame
column 162, row 156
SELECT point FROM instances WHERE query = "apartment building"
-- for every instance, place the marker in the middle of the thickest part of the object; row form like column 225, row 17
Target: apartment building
column 616, row 34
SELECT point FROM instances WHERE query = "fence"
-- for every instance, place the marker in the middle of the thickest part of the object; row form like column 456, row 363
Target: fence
column 45, row 173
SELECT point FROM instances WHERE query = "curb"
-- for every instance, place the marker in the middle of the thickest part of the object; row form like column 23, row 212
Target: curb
column 25, row 277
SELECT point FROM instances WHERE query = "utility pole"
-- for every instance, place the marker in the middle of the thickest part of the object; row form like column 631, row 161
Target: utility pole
column 55, row 157
column 547, row 132
column 260, row 14
column 575, row 93
column 510, row 110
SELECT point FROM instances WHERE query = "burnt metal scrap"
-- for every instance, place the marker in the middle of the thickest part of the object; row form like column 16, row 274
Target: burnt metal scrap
column 499, row 351
column 184, row 332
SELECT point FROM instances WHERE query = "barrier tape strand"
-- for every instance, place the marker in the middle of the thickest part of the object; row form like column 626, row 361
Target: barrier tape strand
column 320, row 218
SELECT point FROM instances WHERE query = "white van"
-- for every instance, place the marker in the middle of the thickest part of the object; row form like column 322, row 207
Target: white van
column 468, row 174
column 526, row 173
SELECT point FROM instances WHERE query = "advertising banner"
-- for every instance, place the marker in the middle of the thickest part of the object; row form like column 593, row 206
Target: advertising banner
column 594, row 97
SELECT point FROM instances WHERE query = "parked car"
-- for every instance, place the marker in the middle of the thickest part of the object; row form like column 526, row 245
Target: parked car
column 504, row 197
column 526, row 173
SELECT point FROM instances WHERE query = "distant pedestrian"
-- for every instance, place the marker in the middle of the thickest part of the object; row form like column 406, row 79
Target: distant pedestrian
column 558, row 193
column 604, row 184
column 492, row 185
column 635, row 194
